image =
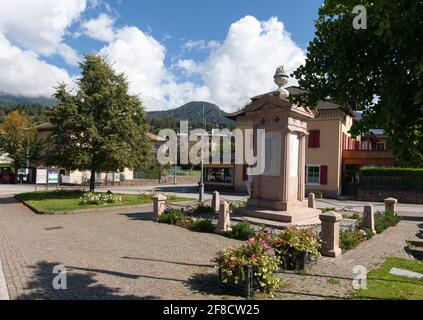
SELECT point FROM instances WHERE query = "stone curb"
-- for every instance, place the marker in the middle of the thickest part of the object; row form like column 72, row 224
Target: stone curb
column 4, row 293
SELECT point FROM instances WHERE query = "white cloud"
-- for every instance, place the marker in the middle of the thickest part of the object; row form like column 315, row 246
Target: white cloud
column 100, row 28
column 233, row 72
column 141, row 57
column 23, row 73
column 243, row 66
column 40, row 26
column 30, row 30
column 200, row 44
column 189, row 66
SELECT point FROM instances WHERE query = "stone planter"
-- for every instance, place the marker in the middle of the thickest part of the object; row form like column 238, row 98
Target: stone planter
column 245, row 288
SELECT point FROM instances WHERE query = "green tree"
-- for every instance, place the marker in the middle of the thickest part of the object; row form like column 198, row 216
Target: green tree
column 17, row 138
column 100, row 128
column 377, row 70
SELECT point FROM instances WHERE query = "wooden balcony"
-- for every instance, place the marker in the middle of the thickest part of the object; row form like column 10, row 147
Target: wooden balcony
column 368, row 157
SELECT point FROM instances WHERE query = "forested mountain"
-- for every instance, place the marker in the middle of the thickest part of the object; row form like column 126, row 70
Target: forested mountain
column 157, row 119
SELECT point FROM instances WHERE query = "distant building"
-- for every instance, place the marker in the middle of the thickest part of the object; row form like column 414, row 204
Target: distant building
column 333, row 156
column 78, row 177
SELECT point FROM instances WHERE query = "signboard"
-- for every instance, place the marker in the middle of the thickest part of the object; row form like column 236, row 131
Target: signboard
column 53, row 177
column 41, row 176
column 116, row 177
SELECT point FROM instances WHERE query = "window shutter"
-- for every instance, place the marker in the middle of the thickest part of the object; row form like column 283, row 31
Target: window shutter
column 357, row 145
column 244, row 172
column 314, row 139
column 306, row 174
column 317, row 139
column 311, row 139
column 324, row 175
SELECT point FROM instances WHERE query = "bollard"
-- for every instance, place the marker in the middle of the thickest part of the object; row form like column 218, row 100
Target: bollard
column 369, row 218
column 312, row 200
column 158, row 206
column 330, row 234
column 216, row 201
column 224, row 219
column 391, row 204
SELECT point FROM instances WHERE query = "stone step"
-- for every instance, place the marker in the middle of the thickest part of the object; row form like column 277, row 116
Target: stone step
column 277, row 224
column 293, row 215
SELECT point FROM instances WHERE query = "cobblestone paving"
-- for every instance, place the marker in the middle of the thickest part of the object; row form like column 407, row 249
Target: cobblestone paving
column 333, row 278
column 121, row 255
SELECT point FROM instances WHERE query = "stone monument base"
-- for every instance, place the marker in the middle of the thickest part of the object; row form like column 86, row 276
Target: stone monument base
column 293, row 215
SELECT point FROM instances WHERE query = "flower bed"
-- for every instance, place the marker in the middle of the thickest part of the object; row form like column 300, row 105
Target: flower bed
column 351, row 238
column 296, row 248
column 99, row 198
column 249, row 268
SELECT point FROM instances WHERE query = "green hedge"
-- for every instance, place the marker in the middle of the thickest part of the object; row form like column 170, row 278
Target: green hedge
column 391, row 172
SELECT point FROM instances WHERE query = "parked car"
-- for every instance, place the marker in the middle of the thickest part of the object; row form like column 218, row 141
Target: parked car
column 7, row 177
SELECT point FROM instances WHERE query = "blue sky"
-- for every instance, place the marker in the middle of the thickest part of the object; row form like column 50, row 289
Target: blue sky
column 172, row 51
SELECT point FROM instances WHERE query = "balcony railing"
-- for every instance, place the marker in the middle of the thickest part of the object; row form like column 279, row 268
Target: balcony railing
column 368, row 157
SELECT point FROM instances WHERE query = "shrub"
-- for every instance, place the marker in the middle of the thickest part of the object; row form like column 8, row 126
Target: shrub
column 241, row 231
column 350, row 239
column 318, row 194
column 174, row 216
column 202, row 225
column 256, row 253
column 293, row 245
column 391, row 171
column 237, row 204
column 202, row 208
column 384, row 221
column 99, row 198
column 327, row 209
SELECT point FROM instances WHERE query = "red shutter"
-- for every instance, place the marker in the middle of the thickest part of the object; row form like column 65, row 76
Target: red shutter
column 357, row 145
column 306, row 173
column 311, row 139
column 317, row 139
column 244, row 172
column 314, row 139
column 324, row 175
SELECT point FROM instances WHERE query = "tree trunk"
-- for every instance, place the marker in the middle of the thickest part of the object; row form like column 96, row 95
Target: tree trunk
column 16, row 167
column 92, row 180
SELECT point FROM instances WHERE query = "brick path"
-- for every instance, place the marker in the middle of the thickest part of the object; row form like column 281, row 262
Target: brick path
column 121, row 255
column 332, row 278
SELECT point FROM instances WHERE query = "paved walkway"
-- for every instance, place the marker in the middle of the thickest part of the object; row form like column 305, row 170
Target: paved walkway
column 333, row 278
column 124, row 255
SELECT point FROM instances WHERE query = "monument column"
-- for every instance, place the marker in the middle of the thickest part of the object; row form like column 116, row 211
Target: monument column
column 285, row 166
column 301, row 168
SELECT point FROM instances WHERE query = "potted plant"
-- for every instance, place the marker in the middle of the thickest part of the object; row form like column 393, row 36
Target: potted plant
column 296, row 248
column 248, row 268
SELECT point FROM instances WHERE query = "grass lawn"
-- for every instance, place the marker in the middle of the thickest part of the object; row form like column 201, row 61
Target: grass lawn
column 54, row 201
column 382, row 285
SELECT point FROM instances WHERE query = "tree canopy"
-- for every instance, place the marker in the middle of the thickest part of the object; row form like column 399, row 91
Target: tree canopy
column 17, row 138
column 100, row 127
column 378, row 69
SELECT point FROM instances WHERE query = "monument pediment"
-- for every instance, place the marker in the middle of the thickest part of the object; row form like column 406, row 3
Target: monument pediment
column 272, row 103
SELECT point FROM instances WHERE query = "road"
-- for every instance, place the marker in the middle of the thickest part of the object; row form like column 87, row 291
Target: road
column 190, row 191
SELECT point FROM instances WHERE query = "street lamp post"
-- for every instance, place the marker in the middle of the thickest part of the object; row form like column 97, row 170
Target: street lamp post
column 212, row 116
